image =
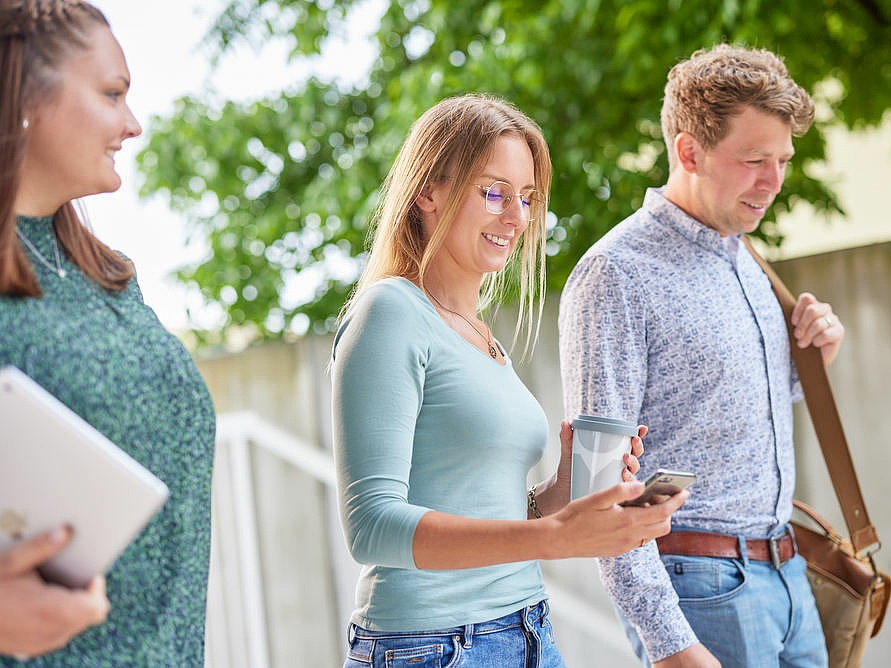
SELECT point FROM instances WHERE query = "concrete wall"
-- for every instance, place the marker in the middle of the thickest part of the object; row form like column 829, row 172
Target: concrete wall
column 306, row 572
column 857, row 282
column 308, row 579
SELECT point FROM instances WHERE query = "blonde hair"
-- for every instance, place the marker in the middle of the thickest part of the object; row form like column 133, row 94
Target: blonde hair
column 454, row 140
column 704, row 92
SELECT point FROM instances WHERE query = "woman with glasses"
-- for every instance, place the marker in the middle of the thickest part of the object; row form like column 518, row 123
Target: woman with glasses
column 434, row 433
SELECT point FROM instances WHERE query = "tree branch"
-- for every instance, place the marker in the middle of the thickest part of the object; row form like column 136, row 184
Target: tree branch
column 874, row 11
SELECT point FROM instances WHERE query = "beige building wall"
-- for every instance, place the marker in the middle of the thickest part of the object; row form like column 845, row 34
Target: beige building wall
column 859, row 167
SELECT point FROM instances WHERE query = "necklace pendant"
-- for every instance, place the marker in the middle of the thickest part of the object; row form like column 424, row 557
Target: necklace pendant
column 493, row 353
column 57, row 270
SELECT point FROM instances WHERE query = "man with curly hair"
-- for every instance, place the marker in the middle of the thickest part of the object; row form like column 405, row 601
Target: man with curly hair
column 668, row 321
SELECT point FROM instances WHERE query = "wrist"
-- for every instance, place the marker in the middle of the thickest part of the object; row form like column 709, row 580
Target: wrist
column 532, row 510
column 550, row 496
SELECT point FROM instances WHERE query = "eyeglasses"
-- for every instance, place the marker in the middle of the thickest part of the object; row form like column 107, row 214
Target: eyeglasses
column 499, row 196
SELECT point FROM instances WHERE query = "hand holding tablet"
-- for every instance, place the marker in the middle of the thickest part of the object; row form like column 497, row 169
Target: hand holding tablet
column 57, row 470
column 37, row 617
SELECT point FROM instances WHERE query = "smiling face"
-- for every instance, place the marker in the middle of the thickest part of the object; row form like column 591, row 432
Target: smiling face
column 732, row 184
column 73, row 136
column 479, row 242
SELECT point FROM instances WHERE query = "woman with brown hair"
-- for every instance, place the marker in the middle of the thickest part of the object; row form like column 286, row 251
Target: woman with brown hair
column 72, row 318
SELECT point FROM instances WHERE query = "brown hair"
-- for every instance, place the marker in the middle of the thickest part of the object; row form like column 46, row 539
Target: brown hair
column 704, row 92
column 453, row 140
column 36, row 38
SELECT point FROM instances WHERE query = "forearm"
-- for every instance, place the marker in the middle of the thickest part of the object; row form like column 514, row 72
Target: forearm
column 446, row 542
column 639, row 586
column 593, row 526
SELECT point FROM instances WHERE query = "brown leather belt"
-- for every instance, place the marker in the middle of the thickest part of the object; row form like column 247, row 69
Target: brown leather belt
column 701, row 544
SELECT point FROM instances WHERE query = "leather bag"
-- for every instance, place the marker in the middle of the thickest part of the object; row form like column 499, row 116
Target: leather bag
column 851, row 592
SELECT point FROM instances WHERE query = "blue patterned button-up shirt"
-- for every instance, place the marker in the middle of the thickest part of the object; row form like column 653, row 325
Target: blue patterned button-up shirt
column 665, row 323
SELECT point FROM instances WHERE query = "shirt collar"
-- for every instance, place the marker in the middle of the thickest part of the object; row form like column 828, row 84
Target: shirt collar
column 39, row 230
column 668, row 213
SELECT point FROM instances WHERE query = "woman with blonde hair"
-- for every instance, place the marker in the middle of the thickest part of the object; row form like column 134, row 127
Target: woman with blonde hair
column 434, row 433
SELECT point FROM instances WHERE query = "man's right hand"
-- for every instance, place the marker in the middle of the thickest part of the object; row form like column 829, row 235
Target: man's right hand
column 37, row 617
column 695, row 656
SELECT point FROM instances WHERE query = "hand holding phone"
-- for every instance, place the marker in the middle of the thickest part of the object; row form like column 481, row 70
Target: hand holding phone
column 661, row 485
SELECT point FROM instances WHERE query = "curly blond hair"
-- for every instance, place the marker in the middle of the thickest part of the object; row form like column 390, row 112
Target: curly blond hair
column 705, row 91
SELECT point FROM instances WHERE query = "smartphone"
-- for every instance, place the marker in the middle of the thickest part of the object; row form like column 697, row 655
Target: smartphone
column 661, row 485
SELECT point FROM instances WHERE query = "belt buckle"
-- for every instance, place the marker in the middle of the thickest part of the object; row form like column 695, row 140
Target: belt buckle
column 773, row 547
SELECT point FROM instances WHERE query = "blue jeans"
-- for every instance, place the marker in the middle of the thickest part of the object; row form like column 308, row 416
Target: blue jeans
column 522, row 639
column 747, row 613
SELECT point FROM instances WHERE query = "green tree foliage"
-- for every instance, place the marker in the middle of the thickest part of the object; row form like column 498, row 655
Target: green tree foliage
column 282, row 188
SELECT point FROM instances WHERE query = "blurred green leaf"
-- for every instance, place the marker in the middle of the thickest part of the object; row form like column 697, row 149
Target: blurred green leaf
column 282, row 188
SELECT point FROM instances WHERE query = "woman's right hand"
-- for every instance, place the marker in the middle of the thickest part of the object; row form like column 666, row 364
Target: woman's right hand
column 37, row 617
column 597, row 526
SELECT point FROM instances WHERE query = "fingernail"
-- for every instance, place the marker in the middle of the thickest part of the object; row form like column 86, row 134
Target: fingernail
column 59, row 535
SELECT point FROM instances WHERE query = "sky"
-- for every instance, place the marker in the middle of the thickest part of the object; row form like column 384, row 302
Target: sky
column 160, row 42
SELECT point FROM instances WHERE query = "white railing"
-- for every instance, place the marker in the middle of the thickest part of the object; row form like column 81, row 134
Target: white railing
column 238, row 633
column 243, row 633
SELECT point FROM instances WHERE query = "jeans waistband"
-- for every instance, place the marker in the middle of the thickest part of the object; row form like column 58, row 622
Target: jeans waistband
column 530, row 615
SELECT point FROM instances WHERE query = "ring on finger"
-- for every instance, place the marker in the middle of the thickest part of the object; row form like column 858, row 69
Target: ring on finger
column 828, row 320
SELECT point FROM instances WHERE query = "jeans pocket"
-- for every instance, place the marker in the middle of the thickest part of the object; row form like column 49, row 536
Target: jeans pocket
column 423, row 656
column 704, row 580
column 419, row 652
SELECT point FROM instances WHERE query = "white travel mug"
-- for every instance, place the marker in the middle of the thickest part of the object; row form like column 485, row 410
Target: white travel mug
column 599, row 445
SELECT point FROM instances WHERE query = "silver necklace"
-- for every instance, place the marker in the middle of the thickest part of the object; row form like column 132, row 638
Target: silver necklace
column 493, row 351
column 61, row 273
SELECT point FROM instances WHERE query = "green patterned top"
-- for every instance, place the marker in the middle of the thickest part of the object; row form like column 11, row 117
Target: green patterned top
column 106, row 356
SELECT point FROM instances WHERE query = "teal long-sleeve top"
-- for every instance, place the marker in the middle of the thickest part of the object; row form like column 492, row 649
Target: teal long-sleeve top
column 108, row 358
column 423, row 420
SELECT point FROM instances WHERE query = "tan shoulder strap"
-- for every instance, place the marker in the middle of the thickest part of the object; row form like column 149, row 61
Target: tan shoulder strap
column 827, row 424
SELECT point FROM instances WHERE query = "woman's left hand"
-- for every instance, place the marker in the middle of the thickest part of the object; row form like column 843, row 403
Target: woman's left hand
column 555, row 492
column 632, row 466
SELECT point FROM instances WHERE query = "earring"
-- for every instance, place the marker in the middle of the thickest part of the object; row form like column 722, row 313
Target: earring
column 25, row 124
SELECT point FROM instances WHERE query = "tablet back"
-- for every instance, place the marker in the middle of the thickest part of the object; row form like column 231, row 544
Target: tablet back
column 56, row 469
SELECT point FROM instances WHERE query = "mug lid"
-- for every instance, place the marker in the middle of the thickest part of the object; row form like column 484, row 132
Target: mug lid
column 604, row 424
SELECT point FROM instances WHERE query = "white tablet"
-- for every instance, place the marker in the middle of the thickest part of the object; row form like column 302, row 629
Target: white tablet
column 56, row 469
